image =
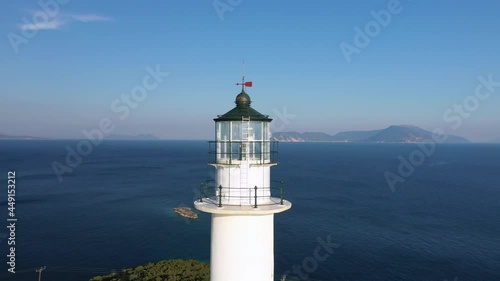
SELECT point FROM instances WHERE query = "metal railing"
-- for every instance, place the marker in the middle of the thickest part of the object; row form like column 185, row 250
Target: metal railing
column 209, row 193
column 233, row 152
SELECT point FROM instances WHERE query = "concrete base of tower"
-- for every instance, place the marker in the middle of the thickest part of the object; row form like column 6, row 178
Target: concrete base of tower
column 242, row 248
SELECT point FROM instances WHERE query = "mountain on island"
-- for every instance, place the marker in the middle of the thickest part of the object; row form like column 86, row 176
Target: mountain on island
column 11, row 137
column 355, row 135
column 391, row 134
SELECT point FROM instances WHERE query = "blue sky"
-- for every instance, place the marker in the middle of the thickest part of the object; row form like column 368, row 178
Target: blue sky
column 61, row 73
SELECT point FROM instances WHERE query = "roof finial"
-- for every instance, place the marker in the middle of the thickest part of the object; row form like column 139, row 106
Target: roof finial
column 243, row 76
column 243, row 83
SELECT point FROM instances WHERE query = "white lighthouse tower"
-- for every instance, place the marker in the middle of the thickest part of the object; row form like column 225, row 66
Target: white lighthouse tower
column 242, row 199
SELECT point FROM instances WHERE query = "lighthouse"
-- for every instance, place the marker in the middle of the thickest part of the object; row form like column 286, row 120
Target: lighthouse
column 242, row 199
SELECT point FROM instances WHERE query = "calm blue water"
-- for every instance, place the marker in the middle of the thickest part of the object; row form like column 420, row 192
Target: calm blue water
column 115, row 210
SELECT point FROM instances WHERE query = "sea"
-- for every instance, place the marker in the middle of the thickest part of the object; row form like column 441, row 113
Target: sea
column 113, row 208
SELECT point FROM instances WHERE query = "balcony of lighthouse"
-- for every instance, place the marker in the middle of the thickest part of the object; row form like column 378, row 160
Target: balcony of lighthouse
column 247, row 199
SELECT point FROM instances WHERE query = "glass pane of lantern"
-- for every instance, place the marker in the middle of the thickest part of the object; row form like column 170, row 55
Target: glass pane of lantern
column 257, row 130
column 266, row 153
column 236, row 151
column 258, row 150
column 223, row 131
column 250, row 133
column 236, row 130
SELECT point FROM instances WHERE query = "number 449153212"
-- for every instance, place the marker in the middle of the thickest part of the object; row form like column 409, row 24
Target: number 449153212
column 11, row 192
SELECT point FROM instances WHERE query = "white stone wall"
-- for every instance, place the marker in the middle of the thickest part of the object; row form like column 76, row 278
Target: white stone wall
column 242, row 248
column 233, row 192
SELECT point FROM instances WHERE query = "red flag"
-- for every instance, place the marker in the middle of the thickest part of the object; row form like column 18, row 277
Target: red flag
column 248, row 84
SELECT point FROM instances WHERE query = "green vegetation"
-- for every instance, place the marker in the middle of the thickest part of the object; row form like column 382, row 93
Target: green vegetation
column 169, row 270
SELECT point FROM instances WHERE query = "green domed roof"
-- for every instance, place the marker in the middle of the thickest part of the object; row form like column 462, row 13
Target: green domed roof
column 243, row 109
column 243, row 99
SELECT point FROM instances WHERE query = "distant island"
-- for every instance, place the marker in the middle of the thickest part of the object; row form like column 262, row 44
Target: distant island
column 130, row 137
column 11, row 137
column 391, row 134
column 110, row 137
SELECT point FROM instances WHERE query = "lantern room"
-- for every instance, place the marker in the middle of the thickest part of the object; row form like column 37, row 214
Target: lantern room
column 243, row 134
